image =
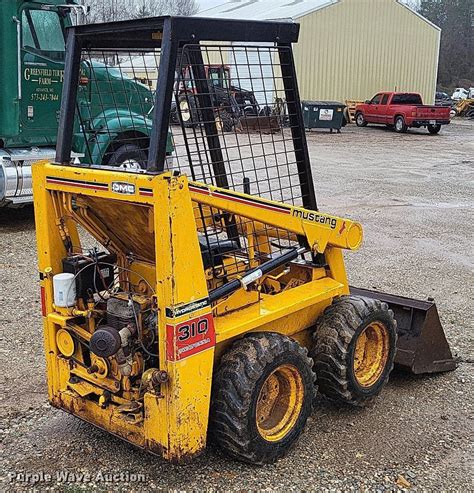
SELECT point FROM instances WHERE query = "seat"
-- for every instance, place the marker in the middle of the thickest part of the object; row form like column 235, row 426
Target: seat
column 213, row 250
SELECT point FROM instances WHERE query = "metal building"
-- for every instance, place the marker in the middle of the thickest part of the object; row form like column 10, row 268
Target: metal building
column 351, row 49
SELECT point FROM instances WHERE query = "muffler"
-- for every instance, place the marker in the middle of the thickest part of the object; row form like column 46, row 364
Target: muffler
column 422, row 346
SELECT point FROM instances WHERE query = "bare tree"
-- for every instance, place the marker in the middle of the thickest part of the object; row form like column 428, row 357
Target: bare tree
column 148, row 8
column 117, row 10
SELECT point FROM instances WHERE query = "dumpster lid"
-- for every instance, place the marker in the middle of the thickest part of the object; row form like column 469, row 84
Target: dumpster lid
column 322, row 103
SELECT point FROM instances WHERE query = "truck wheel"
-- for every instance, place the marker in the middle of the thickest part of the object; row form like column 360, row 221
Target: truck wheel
column 129, row 156
column 360, row 120
column 434, row 129
column 188, row 111
column 354, row 349
column 400, row 125
column 262, row 396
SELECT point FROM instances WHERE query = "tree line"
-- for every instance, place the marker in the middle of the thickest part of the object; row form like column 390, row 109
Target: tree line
column 456, row 58
column 119, row 10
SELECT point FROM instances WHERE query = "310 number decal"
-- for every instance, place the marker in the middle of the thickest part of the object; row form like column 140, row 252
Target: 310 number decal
column 193, row 329
column 190, row 337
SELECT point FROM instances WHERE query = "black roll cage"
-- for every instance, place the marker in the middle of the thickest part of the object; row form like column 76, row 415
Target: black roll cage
column 170, row 34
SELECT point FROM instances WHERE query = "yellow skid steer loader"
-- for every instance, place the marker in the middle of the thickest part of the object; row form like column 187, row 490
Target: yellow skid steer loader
column 205, row 296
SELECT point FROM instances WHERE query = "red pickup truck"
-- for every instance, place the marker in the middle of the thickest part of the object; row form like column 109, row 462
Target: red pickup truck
column 400, row 110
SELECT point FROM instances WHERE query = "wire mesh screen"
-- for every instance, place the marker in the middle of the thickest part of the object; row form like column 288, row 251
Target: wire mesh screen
column 229, row 121
column 229, row 125
column 115, row 104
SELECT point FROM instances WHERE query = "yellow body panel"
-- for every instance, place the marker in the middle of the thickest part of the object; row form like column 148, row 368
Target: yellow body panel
column 156, row 219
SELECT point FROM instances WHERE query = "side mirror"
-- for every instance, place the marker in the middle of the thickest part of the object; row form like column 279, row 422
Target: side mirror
column 367, row 101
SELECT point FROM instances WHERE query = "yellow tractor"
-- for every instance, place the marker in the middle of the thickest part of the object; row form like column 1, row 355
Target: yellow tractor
column 205, row 295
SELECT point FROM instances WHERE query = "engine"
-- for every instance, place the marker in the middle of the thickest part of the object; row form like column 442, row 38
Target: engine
column 111, row 340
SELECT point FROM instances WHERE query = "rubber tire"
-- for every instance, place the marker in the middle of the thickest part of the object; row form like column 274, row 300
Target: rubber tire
column 434, row 129
column 128, row 151
column 334, row 342
column 363, row 122
column 403, row 127
column 227, row 121
column 236, row 387
column 193, row 121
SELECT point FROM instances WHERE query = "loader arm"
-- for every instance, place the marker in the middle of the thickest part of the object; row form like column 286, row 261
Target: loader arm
column 320, row 230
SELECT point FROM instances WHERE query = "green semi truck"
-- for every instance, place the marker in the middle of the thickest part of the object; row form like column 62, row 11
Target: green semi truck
column 32, row 52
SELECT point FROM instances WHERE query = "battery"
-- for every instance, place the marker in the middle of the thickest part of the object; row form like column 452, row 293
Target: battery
column 93, row 272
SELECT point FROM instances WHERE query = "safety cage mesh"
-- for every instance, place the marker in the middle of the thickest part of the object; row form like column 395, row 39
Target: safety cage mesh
column 230, row 125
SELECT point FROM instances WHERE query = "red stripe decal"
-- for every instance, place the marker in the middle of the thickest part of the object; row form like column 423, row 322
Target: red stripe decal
column 78, row 185
column 240, row 200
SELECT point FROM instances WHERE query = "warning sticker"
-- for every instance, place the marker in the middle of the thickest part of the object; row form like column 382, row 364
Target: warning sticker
column 325, row 114
column 190, row 337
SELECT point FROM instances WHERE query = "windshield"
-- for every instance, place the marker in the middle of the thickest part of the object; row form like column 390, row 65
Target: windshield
column 43, row 33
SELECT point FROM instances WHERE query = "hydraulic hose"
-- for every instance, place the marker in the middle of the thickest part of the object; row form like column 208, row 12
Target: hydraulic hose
column 253, row 274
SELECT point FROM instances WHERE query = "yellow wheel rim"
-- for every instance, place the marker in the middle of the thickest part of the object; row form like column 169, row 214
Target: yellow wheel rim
column 185, row 111
column 279, row 403
column 371, row 354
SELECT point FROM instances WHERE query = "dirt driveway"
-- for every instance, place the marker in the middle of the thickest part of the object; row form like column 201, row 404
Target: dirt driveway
column 414, row 195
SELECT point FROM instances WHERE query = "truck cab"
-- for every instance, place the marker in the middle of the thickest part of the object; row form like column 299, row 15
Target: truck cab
column 32, row 50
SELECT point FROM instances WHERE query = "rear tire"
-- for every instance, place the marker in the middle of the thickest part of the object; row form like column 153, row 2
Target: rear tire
column 262, row 396
column 129, row 156
column 400, row 125
column 360, row 120
column 354, row 349
column 434, row 129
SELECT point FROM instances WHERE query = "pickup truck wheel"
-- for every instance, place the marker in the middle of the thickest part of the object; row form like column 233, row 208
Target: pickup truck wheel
column 400, row 125
column 360, row 120
column 129, row 156
column 434, row 129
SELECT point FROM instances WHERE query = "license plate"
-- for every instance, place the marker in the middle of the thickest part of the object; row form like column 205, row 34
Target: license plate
column 432, row 122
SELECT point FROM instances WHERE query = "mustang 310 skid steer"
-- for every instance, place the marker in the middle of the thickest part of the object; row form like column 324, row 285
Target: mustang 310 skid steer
column 207, row 295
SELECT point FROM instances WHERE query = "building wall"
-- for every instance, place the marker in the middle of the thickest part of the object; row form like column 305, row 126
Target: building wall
column 355, row 48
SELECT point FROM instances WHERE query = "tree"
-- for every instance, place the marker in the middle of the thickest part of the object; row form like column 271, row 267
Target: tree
column 456, row 20
column 118, row 10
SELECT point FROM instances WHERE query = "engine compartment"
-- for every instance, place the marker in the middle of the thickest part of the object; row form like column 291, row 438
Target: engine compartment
column 110, row 338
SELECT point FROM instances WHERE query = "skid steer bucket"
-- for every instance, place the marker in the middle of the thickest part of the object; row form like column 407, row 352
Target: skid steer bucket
column 422, row 346
column 263, row 124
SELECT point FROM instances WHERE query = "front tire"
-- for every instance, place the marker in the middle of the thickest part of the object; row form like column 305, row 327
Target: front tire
column 360, row 120
column 188, row 111
column 354, row 349
column 129, row 156
column 434, row 129
column 400, row 125
column 224, row 121
column 262, row 396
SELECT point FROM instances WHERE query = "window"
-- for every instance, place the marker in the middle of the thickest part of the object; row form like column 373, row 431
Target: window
column 214, row 75
column 376, row 99
column 407, row 98
column 384, row 99
column 43, row 32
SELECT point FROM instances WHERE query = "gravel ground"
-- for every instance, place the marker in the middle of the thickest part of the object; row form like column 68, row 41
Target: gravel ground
column 413, row 194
